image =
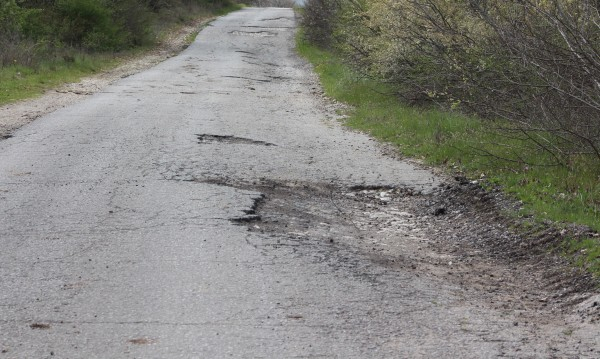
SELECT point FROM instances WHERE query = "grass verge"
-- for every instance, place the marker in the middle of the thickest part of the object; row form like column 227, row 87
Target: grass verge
column 470, row 146
column 20, row 82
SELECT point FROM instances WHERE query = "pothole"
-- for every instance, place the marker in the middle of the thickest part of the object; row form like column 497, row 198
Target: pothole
column 278, row 18
column 253, row 33
column 317, row 209
column 269, row 27
column 207, row 138
column 247, row 78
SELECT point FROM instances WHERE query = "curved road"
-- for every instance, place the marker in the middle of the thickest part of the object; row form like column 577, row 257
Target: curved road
column 196, row 210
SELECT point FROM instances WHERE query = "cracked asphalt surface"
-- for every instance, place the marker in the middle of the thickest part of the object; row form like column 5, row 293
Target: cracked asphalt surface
column 213, row 207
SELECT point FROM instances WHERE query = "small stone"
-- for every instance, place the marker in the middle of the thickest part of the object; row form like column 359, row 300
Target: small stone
column 439, row 211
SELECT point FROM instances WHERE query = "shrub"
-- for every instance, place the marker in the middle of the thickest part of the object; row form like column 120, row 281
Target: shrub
column 319, row 19
column 534, row 64
column 88, row 24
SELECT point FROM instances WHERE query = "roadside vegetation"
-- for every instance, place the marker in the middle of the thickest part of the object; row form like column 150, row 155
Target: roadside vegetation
column 44, row 43
column 506, row 93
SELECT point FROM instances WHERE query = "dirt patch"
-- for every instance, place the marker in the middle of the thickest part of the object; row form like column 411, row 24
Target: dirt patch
column 458, row 233
column 16, row 115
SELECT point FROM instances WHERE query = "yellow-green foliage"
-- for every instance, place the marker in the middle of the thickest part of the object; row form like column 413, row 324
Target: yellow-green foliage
column 533, row 64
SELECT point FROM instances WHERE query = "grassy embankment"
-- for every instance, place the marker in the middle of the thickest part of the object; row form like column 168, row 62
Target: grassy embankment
column 460, row 144
column 21, row 82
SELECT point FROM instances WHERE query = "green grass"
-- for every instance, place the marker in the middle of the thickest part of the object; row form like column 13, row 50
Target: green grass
column 462, row 144
column 20, row 82
column 585, row 252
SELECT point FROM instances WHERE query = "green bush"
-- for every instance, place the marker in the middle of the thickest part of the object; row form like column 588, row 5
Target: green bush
column 134, row 19
column 88, row 24
column 14, row 47
column 532, row 64
column 319, row 21
column 10, row 14
column 34, row 31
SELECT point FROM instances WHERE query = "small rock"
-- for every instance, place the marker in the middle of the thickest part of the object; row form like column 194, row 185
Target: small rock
column 439, row 211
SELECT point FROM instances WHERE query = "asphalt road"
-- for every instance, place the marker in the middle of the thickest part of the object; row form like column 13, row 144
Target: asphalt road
column 130, row 223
